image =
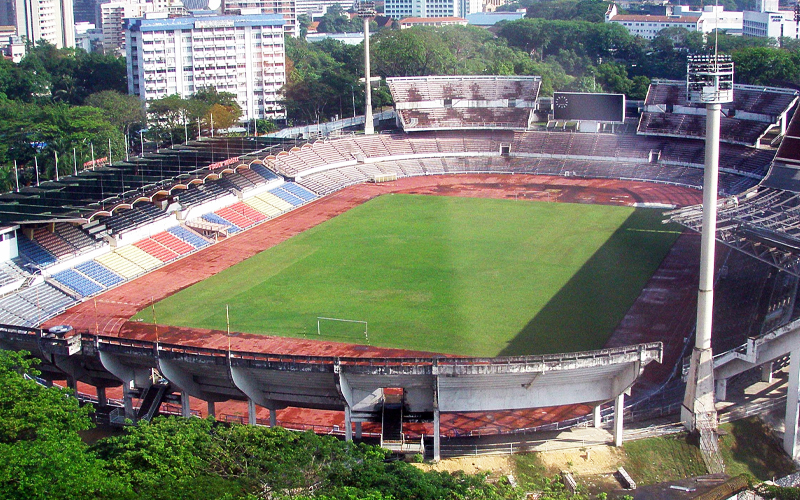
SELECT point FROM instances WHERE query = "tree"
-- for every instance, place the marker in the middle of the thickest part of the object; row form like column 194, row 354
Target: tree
column 221, row 117
column 411, row 52
column 766, row 66
column 569, row 10
column 316, row 81
column 72, row 74
column 336, row 20
column 41, row 453
column 122, row 110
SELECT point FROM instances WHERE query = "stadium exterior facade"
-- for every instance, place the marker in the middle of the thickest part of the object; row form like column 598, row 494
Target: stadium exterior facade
column 353, row 385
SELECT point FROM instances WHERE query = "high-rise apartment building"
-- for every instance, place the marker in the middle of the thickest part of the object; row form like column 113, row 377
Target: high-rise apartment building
column 243, row 55
column 113, row 15
column 400, row 9
column 284, row 8
column 320, row 7
column 49, row 20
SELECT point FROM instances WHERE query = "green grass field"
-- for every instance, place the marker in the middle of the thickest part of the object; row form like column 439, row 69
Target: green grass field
column 469, row 276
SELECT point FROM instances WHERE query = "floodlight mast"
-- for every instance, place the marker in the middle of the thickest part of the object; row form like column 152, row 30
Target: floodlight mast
column 709, row 81
column 366, row 11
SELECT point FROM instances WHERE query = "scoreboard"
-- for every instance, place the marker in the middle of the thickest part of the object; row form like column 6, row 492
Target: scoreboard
column 589, row 107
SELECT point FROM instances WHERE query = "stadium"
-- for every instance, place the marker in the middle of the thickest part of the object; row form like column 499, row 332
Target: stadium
column 92, row 261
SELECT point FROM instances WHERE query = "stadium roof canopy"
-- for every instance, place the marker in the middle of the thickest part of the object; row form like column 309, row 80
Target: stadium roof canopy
column 101, row 190
column 764, row 221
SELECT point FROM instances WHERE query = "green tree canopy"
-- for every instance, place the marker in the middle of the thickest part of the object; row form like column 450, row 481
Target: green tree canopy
column 41, row 453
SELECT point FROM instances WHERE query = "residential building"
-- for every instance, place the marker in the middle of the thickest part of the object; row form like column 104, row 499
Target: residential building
column 492, row 5
column 113, row 15
column 648, row 26
column 410, row 22
column 285, row 8
column 88, row 38
column 49, row 20
column 7, row 17
column 487, row 19
column 11, row 46
column 313, row 8
column 85, row 11
column 713, row 17
column 402, row 9
column 243, row 55
column 770, row 22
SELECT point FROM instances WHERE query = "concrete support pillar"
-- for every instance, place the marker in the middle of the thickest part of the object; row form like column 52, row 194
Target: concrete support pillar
column 72, row 384
column 127, row 401
column 273, row 417
column 721, row 389
column 186, row 410
column 251, row 412
column 597, row 416
column 790, row 423
column 437, row 440
column 358, row 430
column 619, row 406
column 102, row 400
column 766, row 372
column 348, row 424
column 212, row 410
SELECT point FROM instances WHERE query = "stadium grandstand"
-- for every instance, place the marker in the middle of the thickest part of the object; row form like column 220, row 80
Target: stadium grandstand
column 747, row 120
column 86, row 233
column 67, row 241
column 465, row 102
column 763, row 221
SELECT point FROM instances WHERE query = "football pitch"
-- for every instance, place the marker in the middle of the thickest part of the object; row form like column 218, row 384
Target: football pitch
column 479, row 277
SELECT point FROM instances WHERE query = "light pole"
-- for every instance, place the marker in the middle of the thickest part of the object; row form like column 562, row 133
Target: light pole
column 709, row 81
column 366, row 11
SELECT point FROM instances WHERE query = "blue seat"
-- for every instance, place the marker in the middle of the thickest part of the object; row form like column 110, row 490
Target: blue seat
column 217, row 219
column 188, row 236
column 34, row 252
column 78, row 282
column 99, row 273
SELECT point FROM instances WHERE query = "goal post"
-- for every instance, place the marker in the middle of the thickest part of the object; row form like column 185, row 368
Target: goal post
column 342, row 328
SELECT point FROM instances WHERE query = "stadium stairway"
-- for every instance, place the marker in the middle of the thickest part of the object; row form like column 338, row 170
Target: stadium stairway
column 151, row 401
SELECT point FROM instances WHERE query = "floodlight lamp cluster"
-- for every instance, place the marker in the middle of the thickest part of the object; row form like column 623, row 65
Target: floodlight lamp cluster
column 709, row 79
column 366, row 9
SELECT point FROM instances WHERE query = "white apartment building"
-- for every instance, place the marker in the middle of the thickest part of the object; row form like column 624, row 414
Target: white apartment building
column 113, row 14
column 647, row 26
column 401, row 9
column 243, row 55
column 285, row 8
column 707, row 20
column 50, row 20
column 770, row 22
column 313, row 8
column 713, row 17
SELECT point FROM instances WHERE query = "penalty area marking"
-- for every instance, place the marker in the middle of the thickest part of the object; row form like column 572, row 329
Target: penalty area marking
column 320, row 319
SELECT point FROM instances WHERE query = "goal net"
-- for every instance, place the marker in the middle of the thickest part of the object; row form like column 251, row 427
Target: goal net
column 350, row 330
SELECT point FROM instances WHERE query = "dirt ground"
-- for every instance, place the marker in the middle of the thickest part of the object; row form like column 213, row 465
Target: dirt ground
column 496, row 465
column 593, row 467
column 583, row 462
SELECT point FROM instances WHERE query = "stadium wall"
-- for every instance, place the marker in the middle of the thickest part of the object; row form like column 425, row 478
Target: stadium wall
column 354, row 385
